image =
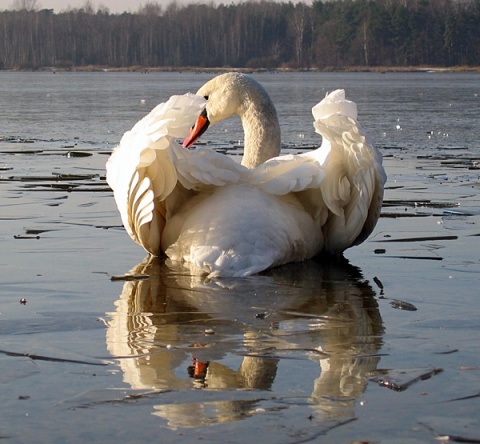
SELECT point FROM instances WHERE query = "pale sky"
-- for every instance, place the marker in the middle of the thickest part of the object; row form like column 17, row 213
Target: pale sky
column 115, row 6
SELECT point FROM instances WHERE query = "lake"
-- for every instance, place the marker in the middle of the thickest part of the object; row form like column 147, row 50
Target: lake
column 382, row 345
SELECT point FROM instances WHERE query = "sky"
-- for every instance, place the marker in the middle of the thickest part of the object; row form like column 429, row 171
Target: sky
column 114, row 6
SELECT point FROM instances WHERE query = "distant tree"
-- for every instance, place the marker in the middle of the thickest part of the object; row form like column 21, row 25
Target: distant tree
column 300, row 24
column 24, row 5
column 150, row 8
column 87, row 7
column 252, row 33
column 102, row 9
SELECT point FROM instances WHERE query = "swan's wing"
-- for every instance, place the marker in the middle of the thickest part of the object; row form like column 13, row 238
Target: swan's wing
column 290, row 173
column 203, row 167
column 340, row 184
column 352, row 189
column 141, row 170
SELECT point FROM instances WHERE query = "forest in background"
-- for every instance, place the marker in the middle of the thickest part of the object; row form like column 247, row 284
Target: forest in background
column 252, row 34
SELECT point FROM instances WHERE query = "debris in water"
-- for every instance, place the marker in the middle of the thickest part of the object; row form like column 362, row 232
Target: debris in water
column 402, row 305
column 35, row 357
column 469, row 367
column 78, row 154
column 400, row 380
column 419, row 203
column 378, row 282
column 446, row 352
column 420, row 239
column 422, row 258
column 22, row 236
column 463, row 398
column 451, row 437
column 130, row 277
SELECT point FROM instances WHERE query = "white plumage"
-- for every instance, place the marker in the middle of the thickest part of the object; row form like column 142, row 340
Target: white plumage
column 228, row 219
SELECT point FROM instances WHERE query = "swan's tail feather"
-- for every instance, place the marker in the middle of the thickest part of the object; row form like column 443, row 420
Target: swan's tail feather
column 354, row 176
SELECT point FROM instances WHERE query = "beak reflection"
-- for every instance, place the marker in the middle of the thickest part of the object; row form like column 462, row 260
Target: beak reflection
column 312, row 329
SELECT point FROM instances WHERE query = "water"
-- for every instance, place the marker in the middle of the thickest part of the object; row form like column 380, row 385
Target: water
column 298, row 354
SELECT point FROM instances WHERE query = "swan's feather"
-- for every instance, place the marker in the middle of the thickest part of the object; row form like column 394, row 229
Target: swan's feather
column 239, row 230
column 285, row 174
column 203, row 207
column 203, row 166
column 141, row 170
column 352, row 188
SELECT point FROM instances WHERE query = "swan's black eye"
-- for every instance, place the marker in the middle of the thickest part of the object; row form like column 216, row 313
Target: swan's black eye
column 205, row 97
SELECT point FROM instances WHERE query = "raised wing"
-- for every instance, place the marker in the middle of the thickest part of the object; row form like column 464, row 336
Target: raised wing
column 141, row 169
column 352, row 188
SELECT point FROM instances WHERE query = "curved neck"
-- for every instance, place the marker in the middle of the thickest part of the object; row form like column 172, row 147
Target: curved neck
column 262, row 131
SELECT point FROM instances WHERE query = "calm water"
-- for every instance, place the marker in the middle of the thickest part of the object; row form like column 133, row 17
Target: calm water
column 383, row 346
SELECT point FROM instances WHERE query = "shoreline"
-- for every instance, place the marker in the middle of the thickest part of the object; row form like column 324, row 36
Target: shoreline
column 375, row 69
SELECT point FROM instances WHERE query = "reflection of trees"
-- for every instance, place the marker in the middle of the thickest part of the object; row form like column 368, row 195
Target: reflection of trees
column 233, row 334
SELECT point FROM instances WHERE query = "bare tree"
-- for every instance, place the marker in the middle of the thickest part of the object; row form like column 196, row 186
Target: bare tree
column 87, row 7
column 24, row 5
column 150, row 8
column 299, row 21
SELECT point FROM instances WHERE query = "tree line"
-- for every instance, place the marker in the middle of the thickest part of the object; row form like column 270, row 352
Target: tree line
column 251, row 34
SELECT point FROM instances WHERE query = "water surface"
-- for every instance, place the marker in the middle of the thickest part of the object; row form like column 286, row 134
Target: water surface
column 382, row 346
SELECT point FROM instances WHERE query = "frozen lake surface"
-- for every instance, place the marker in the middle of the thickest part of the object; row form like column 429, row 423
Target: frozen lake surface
column 382, row 346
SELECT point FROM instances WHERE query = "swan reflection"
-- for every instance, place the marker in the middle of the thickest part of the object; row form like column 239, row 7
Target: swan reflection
column 231, row 339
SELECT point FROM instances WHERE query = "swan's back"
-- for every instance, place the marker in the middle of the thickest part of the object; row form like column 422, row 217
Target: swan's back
column 238, row 230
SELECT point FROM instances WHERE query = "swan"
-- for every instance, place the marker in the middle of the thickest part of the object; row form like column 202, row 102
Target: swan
column 228, row 219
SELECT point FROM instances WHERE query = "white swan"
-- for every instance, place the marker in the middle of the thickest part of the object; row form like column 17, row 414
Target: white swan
column 228, row 219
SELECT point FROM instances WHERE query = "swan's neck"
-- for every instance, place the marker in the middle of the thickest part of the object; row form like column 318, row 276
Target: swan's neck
column 262, row 131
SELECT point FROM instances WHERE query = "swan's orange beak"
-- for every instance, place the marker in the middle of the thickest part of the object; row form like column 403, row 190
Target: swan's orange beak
column 197, row 130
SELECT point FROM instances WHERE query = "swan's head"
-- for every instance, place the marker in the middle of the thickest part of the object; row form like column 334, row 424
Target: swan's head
column 227, row 94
